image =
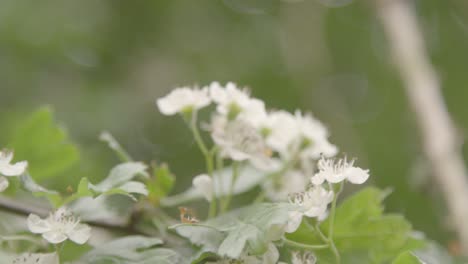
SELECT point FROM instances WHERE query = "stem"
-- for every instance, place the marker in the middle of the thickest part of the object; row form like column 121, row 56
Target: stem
column 210, row 168
column 196, row 134
column 303, row 246
column 208, row 158
column 22, row 209
column 235, row 175
column 332, row 223
column 115, row 146
column 219, row 168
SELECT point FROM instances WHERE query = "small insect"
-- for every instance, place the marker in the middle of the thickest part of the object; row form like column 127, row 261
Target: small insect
column 187, row 216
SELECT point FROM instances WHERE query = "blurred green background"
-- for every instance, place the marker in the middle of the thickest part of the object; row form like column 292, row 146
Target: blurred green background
column 101, row 65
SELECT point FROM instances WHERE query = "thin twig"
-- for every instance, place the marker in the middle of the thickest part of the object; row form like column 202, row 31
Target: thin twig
column 440, row 142
column 18, row 208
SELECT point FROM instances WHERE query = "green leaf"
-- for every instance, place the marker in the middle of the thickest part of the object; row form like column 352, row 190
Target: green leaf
column 407, row 258
column 248, row 178
column 30, row 185
column 362, row 232
column 160, row 184
column 132, row 249
column 248, row 229
column 122, row 174
column 44, row 144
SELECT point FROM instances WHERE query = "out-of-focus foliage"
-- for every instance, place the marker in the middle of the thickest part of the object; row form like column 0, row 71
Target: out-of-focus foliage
column 101, row 64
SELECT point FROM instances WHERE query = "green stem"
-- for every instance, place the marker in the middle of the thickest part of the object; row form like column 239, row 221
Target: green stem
column 208, row 158
column 210, row 168
column 219, row 169
column 235, row 175
column 303, row 246
column 332, row 223
column 196, row 134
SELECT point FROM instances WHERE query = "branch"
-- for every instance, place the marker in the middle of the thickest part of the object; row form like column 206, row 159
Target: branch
column 22, row 209
column 423, row 90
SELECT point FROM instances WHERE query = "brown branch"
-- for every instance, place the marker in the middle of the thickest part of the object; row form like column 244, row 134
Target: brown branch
column 440, row 142
column 22, row 209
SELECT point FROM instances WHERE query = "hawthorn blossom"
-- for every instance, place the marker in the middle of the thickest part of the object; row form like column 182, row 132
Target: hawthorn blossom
column 334, row 171
column 59, row 226
column 303, row 258
column 183, row 99
column 315, row 135
column 8, row 169
column 233, row 102
column 278, row 188
column 289, row 134
column 239, row 141
column 311, row 203
column 204, row 184
column 30, row 258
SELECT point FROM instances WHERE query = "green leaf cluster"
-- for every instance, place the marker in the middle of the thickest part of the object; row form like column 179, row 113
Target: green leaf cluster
column 248, row 229
column 363, row 233
column 132, row 249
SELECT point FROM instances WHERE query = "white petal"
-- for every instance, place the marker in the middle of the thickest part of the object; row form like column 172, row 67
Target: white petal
column 294, row 221
column 317, row 179
column 37, row 225
column 6, row 156
column 80, row 234
column 272, row 255
column 316, row 211
column 204, row 184
column 3, row 183
column 13, row 169
column 335, row 177
column 54, row 237
column 357, row 175
column 165, row 107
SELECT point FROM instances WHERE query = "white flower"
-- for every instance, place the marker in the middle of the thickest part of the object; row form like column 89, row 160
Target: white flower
column 316, row 135
column 288, row 134
column 303, row 258
column 59, row 226
column 204, row 184
column 183, row 99
column 233, row 102
column 334, row 171
column 281, row 129
column 311, row 203
column 241, row 141
column 278, row 188
column 30, row 258
column 8, row 169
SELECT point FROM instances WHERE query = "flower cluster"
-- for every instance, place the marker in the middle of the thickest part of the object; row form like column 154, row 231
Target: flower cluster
column 8, row 169
column 292, row 148
column 243, row 130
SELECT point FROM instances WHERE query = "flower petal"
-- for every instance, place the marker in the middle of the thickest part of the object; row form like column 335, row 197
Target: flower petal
column 80, row 234
column 13, row 169
column 357, row 175
column 37, row 225
column 3, row 183
column 294, row 221
column 204, row 184
column 54, row 237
